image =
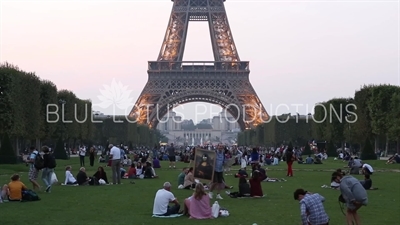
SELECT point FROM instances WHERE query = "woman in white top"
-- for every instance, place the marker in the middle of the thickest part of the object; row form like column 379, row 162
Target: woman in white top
column 69, row 178
column 139, row 169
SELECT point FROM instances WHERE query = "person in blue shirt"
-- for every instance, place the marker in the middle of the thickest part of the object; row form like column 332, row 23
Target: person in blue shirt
column 33, row 172
column 217, row 182
column 309, row 160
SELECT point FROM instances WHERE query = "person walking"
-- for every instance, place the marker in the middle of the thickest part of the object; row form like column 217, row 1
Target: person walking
column 312, row 210
column 49, row 163
column 171, row 155
column 289, row 161
column 115, row 156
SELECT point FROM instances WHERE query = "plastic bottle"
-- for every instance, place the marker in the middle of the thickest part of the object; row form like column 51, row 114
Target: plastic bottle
column 215, row 209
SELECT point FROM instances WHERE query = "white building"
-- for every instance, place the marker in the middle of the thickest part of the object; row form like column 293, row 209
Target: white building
column 220, row 129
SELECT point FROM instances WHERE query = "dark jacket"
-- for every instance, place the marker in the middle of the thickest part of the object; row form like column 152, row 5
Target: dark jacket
column 47, row 161
column 81, row 178
column 102, row 175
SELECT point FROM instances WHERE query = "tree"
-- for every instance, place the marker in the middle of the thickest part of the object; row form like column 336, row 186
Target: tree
column 368, row 153
column 307, row 150
column 379, row 107
column 48, row 97
column 394, row 130
column 362, row 126
column 59, row 151
column 290, row 146
column 7, row 155
column 331, row 149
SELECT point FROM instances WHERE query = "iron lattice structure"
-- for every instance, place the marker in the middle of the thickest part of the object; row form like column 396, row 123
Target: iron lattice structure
column 224, row 81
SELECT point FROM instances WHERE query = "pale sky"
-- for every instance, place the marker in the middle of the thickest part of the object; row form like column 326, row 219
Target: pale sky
column 300, row 52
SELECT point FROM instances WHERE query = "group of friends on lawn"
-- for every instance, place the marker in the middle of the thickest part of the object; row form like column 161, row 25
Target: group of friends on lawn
column 197, row 206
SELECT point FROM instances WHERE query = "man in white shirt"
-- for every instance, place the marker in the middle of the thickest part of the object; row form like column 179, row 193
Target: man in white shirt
column 367, row 169
column 82, row 154
column 162, row 199
column 115, row 156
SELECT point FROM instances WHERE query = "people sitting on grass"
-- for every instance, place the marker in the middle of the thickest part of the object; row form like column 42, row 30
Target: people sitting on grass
column 317, row 160
column 189, row 182
column 132, row 172
column 162, row 200
column 101, row 174
column 156, row 163
column 367, row 169
column 198, row 206
column 139, row 169
column 255, row 185
column 244, row 189
column 149, row 171
column 367, row 182
column 13, row 191
column 181, row 178
column 102, row 159
column 355, row 166
column 309, row 160
column 69, row 178
column 82, row 178
column 394, row 159
column 123, row 172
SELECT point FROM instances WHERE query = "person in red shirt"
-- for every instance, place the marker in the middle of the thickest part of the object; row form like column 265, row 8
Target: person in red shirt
column 255, row 185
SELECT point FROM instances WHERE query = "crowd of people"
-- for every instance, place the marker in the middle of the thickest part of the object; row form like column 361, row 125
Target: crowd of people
column 198, row 205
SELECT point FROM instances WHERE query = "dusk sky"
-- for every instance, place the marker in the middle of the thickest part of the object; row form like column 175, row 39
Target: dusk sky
column 300, row 52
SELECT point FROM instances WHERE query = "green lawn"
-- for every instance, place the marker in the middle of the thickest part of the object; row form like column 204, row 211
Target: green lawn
column 132, row 203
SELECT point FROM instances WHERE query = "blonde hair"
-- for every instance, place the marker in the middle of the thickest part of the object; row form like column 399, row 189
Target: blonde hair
column 199, row 191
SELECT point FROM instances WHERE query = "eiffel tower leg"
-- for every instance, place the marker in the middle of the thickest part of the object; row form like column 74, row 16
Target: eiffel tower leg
column 173, row 45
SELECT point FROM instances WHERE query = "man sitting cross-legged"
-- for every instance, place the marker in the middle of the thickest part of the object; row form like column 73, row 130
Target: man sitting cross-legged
column 162, row 199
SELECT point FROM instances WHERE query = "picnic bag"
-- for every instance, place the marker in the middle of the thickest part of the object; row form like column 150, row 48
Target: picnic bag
column 29, row 196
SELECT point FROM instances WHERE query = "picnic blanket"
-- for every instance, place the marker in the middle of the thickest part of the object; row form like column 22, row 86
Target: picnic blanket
column 170, row 216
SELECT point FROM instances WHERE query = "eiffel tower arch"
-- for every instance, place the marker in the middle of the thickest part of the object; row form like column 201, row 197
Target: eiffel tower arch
column 224, row 81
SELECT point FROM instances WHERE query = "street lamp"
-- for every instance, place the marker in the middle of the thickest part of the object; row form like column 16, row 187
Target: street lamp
column 62, row 102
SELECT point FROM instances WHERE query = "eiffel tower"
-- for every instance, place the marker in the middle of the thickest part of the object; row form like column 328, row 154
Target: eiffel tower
column 224, row 81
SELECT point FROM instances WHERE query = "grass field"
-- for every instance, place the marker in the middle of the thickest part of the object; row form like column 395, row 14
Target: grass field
column 132, row 203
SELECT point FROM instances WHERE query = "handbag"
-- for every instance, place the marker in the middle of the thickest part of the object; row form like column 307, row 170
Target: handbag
column 341, row 199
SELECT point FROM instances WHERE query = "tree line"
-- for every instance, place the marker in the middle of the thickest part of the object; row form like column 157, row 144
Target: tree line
column 371, row 116
column 25, row 100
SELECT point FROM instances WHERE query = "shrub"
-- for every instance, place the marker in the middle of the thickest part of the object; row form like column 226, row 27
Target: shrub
column 367, row 152
column 59, row 151
column 331, row 150
column 7, row 154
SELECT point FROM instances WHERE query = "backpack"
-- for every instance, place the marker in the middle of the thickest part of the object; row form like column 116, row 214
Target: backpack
column 29, row 196
column 39, row 162
column 52, row 162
